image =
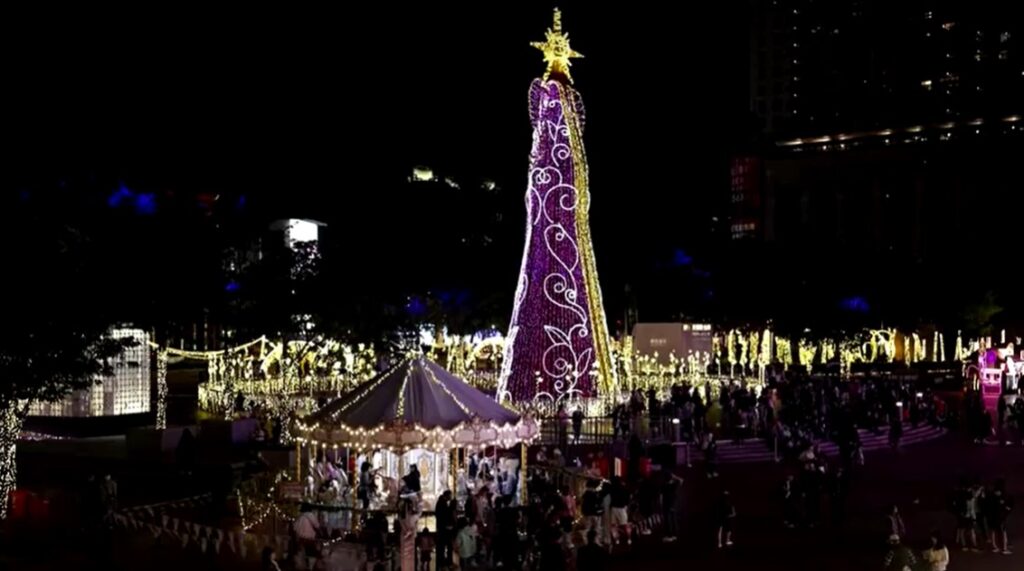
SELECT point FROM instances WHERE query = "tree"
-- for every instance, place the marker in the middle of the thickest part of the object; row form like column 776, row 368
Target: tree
column 977, row 316
column 53, row 340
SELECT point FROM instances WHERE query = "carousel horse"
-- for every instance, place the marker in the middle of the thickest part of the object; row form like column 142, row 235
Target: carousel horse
column 461, row 486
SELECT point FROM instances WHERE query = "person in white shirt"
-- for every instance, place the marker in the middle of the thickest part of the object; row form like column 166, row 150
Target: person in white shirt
column 937, row 555
column 307, row 527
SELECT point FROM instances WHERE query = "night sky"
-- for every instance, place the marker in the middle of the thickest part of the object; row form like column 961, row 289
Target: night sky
column 318, row 113
column 297, row 106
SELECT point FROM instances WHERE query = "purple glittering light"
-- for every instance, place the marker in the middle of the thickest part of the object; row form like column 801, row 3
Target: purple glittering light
column 550, row 349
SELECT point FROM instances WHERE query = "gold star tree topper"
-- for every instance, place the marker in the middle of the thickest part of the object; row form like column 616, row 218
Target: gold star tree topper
column 557, row 52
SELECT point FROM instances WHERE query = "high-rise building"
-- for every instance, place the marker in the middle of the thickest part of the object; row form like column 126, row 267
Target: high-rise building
column 819, row 67
column 890, row 138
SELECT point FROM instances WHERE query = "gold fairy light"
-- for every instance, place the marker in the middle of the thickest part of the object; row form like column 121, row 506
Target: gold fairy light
column 557, row 52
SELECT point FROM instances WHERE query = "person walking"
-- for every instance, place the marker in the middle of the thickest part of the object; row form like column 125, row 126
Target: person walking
column 669, row 512
column 837, row 497
column 790, row 502
column 962, row 509
column 1001, row 420
column 619, row 501
column 444, row 514
column 108, row 498
column 466, row 544
column 562, row 418
column 577, row 425
column 711, row 456
column 592, row 509
column 895, row 520
column 896, row 429
column 725, row 516
column 997, row 507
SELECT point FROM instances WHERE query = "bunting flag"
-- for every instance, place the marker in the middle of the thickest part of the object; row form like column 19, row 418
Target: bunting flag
column 206, row 537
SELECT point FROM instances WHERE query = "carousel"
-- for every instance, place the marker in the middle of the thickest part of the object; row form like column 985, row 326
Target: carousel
column 415, row 414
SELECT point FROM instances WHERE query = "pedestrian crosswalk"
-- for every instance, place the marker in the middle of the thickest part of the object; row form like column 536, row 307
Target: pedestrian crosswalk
column 763, row 451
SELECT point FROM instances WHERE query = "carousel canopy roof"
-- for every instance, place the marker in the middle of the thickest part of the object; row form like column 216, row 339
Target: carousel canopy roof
column 416, row 391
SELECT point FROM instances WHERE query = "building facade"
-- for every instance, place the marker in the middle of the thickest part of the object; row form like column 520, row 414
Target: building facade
column 817, row 67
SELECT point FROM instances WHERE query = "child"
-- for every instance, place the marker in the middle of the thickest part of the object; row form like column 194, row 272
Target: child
column 425, row 544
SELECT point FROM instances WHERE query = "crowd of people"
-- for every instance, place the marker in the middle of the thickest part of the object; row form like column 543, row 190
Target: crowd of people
column 981, row 512
column 578, row 511
column 1006, row 428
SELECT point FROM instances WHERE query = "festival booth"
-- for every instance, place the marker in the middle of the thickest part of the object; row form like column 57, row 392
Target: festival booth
column 414, row 413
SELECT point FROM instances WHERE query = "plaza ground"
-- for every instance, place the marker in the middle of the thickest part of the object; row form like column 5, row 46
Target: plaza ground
column 925, row 472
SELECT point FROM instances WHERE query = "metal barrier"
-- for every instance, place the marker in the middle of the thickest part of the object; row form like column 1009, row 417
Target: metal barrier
column 601, row 430
column 558, row 432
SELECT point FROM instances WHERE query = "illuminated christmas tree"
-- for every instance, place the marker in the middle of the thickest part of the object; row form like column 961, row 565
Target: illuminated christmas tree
column 557, row 347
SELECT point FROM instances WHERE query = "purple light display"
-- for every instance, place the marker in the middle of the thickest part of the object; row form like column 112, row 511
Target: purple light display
column 557, row 347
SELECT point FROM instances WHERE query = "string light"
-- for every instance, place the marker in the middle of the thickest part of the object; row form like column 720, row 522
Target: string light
column 161, row 389
column 400, row 410
column 557, row 53
column 265, row 507
column 10, row 426
column 206, row 355
column 444, row 387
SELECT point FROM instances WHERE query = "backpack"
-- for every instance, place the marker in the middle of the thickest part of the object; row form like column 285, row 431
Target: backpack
column 591, row 504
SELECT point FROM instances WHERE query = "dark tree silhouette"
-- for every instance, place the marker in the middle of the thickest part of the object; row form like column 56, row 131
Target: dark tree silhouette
column 53, row 337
